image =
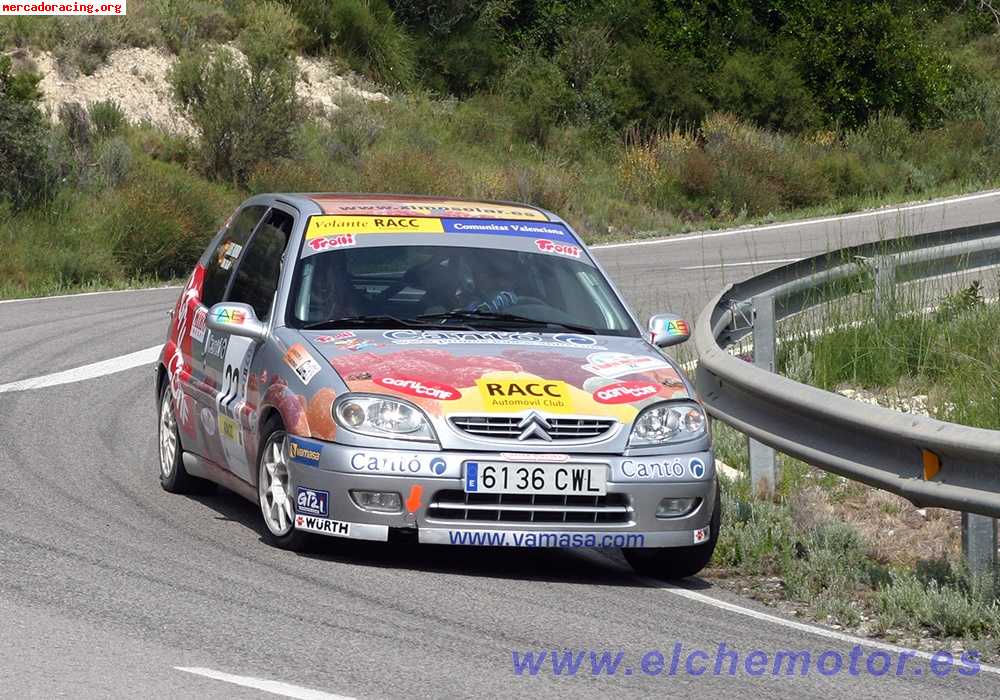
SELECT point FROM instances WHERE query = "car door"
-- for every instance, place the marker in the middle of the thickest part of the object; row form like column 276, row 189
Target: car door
column 218, row 271
column 254, row 282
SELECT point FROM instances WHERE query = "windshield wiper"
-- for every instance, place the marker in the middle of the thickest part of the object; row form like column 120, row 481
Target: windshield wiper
column 379, row 321
column 474, row 315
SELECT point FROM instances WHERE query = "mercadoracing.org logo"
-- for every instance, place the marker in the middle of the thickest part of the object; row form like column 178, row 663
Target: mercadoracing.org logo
column 63, row 8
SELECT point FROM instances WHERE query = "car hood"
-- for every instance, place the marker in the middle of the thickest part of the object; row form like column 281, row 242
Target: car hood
column 492, row 372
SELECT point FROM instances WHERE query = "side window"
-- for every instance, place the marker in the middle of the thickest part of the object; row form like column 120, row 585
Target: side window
column 258, row 271
column 227, row 253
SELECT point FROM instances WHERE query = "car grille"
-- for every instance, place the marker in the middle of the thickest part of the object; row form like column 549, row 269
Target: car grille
column 506, row 427
column 526, row 508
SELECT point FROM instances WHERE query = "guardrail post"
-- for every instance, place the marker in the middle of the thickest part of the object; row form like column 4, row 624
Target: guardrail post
column 762, row 469
column 979, row 546
column 885, row 284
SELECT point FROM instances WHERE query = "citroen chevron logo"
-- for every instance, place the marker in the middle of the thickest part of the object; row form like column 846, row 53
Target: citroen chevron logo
column 534, row 425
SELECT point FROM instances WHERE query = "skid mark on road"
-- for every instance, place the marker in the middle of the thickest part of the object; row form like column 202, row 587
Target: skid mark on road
column 91, row 371
column 276, row 687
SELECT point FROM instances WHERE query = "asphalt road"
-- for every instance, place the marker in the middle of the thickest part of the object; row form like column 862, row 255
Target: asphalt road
column 109, row 585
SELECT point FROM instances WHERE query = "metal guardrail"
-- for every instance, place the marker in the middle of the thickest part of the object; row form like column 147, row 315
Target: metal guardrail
column 927, row 461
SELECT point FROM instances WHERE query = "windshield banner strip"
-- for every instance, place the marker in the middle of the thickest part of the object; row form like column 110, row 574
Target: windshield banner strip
column 497, row 227
column 326, row 226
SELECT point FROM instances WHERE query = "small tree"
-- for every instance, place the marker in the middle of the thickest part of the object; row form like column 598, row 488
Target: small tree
column 26, row 175
column 244, row 106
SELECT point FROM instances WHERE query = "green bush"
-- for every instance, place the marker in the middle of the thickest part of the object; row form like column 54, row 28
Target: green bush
column 185, row 24
column 160, row 220
column 767, row 90
column 26, row 174
column 107, row 116
column 364, row 32
column 245, row 111
column 535, row 96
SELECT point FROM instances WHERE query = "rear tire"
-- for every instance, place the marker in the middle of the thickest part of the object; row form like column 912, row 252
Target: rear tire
column 274, row 490
column 173, row 477
column 678, row 562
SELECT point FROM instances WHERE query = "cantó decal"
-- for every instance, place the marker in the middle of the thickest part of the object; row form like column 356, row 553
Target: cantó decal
column 558, row 340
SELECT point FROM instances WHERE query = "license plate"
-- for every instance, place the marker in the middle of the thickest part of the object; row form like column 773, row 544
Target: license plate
column 540, row 479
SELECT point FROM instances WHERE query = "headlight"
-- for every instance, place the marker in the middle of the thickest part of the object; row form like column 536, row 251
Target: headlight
column 667, row 422
column 383, row 417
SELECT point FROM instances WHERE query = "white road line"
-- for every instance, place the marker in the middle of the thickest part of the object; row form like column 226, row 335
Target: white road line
column 89, row 294
column 799, row 626
column 276, row 687
column 807, row 222
column 741, row 264
column 91, row 371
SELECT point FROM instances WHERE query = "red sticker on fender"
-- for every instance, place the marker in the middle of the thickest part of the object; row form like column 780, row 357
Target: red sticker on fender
column 625, row 392
column 419, row 387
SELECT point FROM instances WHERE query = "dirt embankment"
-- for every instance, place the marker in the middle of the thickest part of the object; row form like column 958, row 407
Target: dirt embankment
column 137, row 79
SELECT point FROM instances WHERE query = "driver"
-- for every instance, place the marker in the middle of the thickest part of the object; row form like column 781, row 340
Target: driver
column 495, row 283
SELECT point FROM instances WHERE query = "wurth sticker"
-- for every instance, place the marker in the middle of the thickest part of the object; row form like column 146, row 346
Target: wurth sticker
column 322, row 526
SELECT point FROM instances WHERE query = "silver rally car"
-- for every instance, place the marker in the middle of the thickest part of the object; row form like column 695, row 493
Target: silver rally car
column 452, row 372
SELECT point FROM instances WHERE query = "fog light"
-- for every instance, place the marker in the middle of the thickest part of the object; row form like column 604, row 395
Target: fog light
column 675, row 507
column 379, row 501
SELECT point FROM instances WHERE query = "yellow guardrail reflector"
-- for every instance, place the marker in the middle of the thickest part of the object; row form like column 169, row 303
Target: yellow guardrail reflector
column 932, row 465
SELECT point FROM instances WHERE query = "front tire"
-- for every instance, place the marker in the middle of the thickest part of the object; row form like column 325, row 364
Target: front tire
column 678, row 562
column 274, row 490
column 173, row 477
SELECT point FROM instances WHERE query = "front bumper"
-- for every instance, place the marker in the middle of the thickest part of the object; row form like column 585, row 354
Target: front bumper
column 430, row 480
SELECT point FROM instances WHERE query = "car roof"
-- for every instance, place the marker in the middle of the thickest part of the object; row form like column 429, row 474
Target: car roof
column 419, row 205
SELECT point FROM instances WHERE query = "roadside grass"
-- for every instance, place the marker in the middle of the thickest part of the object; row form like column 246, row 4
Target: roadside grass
column 842, row 552
column 852, row 557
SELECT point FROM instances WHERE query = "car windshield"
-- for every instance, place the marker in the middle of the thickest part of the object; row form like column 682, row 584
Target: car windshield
column 454, row 286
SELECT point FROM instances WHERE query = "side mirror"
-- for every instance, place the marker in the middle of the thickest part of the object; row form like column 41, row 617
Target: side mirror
column 668, row 329
column 236, row 319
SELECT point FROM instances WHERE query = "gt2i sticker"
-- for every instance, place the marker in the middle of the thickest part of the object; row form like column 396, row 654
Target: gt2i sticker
column 322, row 526
column 625, row 392
column 304, row 452
column 547, row 246
column 618, row 364
column 302, row 363
column 324, row 226
column 419, row 388
column 512, row 395
column 313, row 502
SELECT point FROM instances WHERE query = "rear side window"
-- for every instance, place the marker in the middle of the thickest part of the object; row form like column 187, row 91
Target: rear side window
column 227, row 253
column 257, row 275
